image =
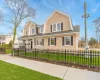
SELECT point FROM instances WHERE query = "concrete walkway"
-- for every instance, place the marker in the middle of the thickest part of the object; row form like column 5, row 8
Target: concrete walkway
column 55, row 70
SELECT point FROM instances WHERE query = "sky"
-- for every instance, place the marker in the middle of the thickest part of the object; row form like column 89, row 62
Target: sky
column 44, row 8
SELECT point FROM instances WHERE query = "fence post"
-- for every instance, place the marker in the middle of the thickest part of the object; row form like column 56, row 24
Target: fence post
column 48, row 53
column 25, row 51
column 18, row 51
column 65, row 55
column 35, row 52
column 90, row 58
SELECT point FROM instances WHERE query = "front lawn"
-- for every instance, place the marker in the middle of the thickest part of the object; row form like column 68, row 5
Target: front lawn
column 8, row 51
column 13, row 72
column 60, row 57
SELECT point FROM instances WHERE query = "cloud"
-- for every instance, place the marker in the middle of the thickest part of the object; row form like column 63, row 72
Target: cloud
column 96, row 8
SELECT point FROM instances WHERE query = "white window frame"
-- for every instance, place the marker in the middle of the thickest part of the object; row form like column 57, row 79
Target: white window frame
column 34, row 30
column 39, row 43
column 65, row 40
column 50, row 41
column 56, row 27
column 41, row 29
column 26, row 32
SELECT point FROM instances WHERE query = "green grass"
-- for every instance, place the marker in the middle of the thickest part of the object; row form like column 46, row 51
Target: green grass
column 13, row 72
column 78, row 59
column 8, row 51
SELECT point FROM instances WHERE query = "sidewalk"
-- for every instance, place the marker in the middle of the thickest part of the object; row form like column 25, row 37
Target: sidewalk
column 52, row 69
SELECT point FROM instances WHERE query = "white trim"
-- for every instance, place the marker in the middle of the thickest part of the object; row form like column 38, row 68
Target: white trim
column 39, row 45
column 44, row 28
column 50, row 35
column 23, row 32
column 77, row 40
column 29, row 29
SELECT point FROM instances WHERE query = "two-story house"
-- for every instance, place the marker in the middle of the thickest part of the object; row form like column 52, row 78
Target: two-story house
column 56, row 33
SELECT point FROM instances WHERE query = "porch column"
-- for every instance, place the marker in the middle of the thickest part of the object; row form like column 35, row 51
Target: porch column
column 23, row 32
column 26, row 44
column 30, row 29
column 33, row 43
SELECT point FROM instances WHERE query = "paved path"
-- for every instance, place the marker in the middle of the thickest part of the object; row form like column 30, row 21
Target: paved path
column 52, row 69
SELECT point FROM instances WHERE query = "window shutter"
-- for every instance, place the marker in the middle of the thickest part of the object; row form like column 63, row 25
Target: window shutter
column 71, row 40
column 55, row 41
column 34, row 41
column 61, row 26
column 51, row 28
column 43, row 42
column 36, row 30
column 62, row 40
column 48, row 41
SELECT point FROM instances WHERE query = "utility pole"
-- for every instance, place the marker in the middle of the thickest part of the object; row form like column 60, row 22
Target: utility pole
column 85, row 16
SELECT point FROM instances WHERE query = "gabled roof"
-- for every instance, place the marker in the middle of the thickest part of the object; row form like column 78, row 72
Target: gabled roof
column 66, row 15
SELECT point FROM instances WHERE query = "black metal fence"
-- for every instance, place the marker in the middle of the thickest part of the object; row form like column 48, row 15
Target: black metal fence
column 81, row 59
column 2, row 50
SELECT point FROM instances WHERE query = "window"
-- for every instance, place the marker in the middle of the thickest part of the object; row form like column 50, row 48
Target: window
column 39, row 42
column 41, row 29
column 59, row 27
column 52, row 41
column 26, row 32
column 33, row 31
column 56, row 27
column 67, row 40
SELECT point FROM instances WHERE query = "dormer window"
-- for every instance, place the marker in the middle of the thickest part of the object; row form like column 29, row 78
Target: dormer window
column 54, row 28
column 26, row 32
column 57, row 27
column 41, row 29
column 33, row 31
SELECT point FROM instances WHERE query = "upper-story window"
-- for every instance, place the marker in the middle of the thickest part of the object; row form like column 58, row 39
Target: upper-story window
column 54, row 28
column 33, row 31
column 41, row 29
column 57, row 27
column 26, row 32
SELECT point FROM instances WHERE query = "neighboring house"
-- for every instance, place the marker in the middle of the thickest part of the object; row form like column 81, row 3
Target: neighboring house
column 5, row 39
column 56, row 33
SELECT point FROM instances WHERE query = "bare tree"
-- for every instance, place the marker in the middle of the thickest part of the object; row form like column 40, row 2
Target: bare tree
column 97, row 28
column 82, row 42
column 20, row 10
